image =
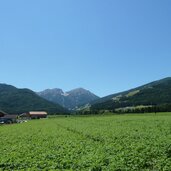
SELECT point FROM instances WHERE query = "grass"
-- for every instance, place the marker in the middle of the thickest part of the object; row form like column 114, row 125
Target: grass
column 112, row 142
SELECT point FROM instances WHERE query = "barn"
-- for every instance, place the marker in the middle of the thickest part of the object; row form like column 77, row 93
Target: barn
column 37, row 114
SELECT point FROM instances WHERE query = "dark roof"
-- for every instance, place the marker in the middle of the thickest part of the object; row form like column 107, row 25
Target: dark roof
column 10, row 116
column 2, row 113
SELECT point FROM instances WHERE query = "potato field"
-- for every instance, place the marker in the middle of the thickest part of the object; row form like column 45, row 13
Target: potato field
column 93, row 143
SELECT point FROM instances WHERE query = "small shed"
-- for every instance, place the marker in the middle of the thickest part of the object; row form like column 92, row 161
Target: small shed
column 37, row 114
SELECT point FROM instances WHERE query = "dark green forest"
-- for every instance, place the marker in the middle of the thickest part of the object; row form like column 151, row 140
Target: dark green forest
column 155, row 97
column 16, row 101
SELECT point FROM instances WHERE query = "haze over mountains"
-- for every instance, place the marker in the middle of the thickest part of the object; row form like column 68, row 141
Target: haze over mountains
column 70, row 99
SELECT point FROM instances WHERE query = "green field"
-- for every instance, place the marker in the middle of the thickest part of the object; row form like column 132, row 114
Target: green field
column 119, row 142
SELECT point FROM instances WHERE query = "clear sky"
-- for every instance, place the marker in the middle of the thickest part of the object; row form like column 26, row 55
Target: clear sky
column 106, row 46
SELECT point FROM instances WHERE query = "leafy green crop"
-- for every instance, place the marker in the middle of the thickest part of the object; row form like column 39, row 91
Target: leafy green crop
column 95, row 143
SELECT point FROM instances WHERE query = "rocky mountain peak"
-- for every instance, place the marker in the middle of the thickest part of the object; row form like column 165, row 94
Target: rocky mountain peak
column 70, row 99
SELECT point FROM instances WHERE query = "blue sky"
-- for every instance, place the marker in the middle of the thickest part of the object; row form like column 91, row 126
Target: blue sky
column 105, row 46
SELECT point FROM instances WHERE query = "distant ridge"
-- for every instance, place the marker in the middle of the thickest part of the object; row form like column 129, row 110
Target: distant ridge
column 154, row 96
column 157, row 93
column 70, row 99
column 16, row 101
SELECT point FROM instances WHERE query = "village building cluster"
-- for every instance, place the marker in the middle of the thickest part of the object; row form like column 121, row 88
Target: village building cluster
column 6, row 118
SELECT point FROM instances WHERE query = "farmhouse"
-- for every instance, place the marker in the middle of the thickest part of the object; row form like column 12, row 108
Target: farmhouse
column 6, row 118
column 9, row 118
column 37, row 114
column 2, row 113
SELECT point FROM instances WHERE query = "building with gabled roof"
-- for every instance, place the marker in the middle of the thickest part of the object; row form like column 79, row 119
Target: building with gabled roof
column 2, row 113
column 6, row 118
column 37, row 114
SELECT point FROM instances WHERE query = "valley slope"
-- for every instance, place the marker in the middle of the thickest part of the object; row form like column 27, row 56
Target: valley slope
column 17, row 101
column 157, row 93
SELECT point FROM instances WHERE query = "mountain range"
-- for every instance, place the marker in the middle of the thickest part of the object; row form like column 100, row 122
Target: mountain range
column 157, row 93
column 17, row 101
column 154, row 96
column 70, row 99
